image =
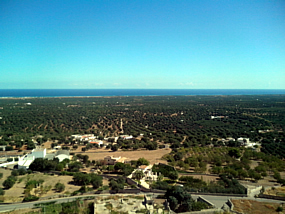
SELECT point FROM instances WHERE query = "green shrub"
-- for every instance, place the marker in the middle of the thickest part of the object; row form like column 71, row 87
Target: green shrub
column 30, row 198
column 59, row 187
column 2, row 192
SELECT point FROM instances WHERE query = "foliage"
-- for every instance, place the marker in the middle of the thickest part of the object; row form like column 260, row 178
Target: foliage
column 173, row 175
column 164, row 169
column 59, row 187
column 2, row 192
column 234, row 152
column 41, row 165
column 75, row 166
column 117, row 184
column 163, row 185
column 126, row 169
column 86, row 179
column 138, row 174
column 30, row 198
column 142, row 161
column 179, row 199
column 9, row 182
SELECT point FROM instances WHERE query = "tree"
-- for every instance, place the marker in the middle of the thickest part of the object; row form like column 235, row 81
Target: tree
column 127, row 170
column 178, row 156
column 234, row 152
column 173, row 175
column 74, row 167
column 142, row 161
column 119, row 166
column 59, row 187
column 2, row 192
column 85, row 158
column 183, row 198
column 172, row 202
column 114, row 147
column 9, row 182
column 138, row 174
column 96, row 181
column 40, row 164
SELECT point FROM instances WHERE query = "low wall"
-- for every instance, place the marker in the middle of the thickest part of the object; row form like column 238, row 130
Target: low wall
column 231, row 205
column 208, row 211
column 272, row 197
column 218, row 194
column 201, row 199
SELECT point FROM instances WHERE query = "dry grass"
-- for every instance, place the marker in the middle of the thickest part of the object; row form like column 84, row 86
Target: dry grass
column 16, row 193
column 276, row 191
column 153, row 156
column 206, row 178
column 254, row 207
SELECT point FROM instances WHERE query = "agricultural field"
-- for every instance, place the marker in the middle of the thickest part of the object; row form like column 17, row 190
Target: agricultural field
column 153, row 156
column 167, row 119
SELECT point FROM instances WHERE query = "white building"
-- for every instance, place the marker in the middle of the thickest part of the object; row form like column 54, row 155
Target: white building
column 39, row 152
column 25, row 162
column 126, row 137
column 243, row 141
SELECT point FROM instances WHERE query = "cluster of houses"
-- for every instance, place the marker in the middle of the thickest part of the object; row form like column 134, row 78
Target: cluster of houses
column 242, row 141
column 91, row 138
column 148, row 174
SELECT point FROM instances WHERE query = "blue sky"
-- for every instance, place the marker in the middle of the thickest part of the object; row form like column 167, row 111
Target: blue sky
column 165, row 44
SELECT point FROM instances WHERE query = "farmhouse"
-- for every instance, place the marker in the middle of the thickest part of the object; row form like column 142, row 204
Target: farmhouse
column 111, row 160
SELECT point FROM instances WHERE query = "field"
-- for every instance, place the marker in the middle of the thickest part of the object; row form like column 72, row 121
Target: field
column 16, row 193
column 254, row 207
column 153, row 156
column 278, row 191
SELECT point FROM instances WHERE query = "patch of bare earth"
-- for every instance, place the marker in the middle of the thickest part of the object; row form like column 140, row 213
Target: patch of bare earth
column 254, row 207
column 153, row 156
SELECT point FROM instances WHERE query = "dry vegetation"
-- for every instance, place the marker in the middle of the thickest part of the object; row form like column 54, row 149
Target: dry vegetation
column 254, row 207
column 46, row 190
column 153, row 156
column 276, row 191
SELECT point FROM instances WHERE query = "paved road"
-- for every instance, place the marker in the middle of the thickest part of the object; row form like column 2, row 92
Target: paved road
column 219, row 201
column 16, row 206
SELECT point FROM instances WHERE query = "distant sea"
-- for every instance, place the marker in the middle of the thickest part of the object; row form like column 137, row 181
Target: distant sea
column 131, row 92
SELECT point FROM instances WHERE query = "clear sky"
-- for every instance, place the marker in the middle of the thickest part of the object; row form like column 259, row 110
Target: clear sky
column 177, row 44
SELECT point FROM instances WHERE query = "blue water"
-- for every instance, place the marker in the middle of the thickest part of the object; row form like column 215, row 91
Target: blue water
column 131, row 92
